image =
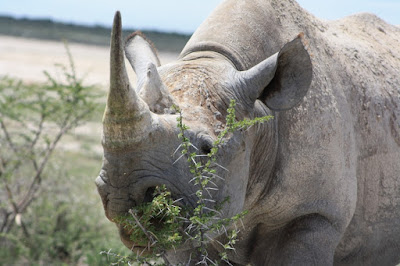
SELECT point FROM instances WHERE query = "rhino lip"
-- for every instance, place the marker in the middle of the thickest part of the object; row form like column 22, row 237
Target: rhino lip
column 125, row 235
column 126, row 240
column 147, row 195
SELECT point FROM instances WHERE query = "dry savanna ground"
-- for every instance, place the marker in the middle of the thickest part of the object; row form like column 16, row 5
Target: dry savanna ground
column 26, row 59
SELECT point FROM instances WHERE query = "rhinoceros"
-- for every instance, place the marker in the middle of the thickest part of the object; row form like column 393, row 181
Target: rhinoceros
column 320, row 182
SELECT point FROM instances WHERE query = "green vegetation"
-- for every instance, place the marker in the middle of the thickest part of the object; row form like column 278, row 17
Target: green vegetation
column 96, row 35
column 159, row 218
column 161, row 225
column 50, row 212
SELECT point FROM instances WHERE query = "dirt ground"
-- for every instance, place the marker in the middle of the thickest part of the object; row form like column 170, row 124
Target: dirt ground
column 28, row 58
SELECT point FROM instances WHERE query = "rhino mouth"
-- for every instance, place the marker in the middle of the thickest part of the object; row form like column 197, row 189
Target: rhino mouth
column 143, row 231
column 126, row 240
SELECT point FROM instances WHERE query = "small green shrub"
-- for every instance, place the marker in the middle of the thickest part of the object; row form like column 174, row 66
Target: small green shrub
column 43, row 220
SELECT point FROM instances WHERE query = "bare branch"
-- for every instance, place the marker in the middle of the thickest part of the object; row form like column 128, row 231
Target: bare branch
column 11, row 199
column 27, row 199
column 8, row 138
column 5, row 222
column 8, row 224
column 38, row 132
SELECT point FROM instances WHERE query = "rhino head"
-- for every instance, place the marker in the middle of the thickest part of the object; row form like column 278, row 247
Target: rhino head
column 140, row 129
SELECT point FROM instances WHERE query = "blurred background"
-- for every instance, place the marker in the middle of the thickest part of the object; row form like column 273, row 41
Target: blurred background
column 53, row 82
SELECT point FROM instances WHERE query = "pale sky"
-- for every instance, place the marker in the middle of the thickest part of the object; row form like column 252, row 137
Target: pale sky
column 175, row 15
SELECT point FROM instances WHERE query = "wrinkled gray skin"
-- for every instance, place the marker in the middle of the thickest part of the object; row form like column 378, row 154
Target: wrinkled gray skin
column 321, row 181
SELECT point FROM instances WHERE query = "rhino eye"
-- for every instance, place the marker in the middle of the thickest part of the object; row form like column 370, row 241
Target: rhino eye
column 206, row 148
column 206, row 144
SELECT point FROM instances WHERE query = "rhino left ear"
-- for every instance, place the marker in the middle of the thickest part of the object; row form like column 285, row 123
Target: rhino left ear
column 292, row 78
column 282, row 80
column 140, row 53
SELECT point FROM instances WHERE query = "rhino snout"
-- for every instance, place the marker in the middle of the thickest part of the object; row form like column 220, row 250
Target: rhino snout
column 118, row 207
column 115, row 202
column 102, row 189
column 118, row 201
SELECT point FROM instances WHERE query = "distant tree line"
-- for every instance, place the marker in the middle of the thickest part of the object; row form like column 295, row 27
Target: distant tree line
column 48, row 29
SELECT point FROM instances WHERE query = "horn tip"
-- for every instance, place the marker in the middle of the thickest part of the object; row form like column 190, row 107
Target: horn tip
column 117, row 14
column 117, row 19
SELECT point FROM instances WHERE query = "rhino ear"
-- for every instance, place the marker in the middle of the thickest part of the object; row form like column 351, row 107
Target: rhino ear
column 292, row 77
column 140, row 53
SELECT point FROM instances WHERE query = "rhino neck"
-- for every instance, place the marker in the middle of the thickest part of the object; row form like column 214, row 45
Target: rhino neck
column 211, row 46
column 247, row 32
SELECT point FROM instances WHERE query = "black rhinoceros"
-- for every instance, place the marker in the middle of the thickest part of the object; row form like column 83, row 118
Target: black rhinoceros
column 321, row 182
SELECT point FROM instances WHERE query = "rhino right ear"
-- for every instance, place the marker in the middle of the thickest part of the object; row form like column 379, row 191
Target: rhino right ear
column 140, row 53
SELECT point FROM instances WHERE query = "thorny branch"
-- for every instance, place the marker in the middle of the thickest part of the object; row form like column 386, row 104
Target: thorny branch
column 151, row 238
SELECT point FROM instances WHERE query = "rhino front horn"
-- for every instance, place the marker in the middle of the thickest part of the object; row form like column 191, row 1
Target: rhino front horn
column 126, row 117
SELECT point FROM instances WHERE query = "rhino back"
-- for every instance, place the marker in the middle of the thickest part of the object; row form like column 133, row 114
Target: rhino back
column 352, row 115
column 370, row 56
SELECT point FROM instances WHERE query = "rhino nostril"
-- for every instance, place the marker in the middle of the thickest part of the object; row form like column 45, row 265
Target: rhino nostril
column 149, row 195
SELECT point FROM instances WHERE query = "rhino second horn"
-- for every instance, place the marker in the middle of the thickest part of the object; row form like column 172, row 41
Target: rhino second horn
column 140, row 52
column 126, row 114
column 155, row 93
